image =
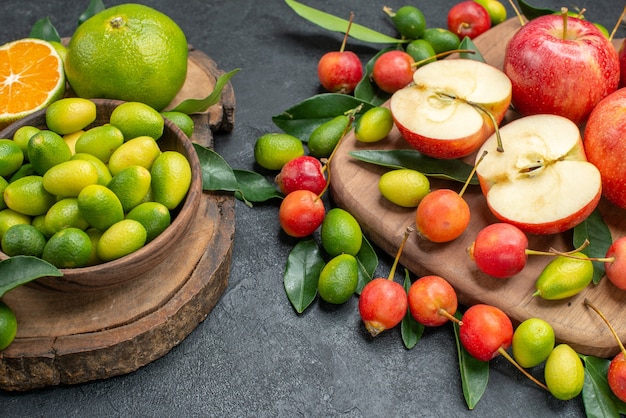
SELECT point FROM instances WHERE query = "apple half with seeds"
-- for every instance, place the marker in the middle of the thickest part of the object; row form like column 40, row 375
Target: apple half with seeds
column 541, row 182
column 451, row 107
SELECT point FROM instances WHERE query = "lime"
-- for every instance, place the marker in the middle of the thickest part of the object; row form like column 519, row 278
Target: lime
column 338, row 279
column 68, row 248
column 70, row 114
column 104, row 175
column 142, row 151
column 9, row 217
column 3, row 185
column 25, row 170
column 404, row 187
column 409, row 21
column 94, row 235
column 100, row 207
column 564, row 373
column 154, row 216
column 64, row 214
column 421, row 51
column 100, row 141
column 325, row 137
column 71, row 139
column 273, row 150
column 131, row 186
column 374, row 125
column 341, row 233
column 27, row 195
column 442, row 40
column 128, row 52
column 122, row 238
column 496, row 10
column 68, row 178
column 8, row 326
column 39, row 222
column 11, row 157
column 182, row 120
column 136, row 119
column 171, row 178
column 22, row 135
column 533, row 341
column 23, row 239
column 46, row 149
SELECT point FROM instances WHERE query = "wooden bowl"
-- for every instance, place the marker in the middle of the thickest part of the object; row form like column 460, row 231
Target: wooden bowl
column 124, row 269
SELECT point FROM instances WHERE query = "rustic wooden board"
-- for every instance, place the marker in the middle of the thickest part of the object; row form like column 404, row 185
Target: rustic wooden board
column 68, row 338
column 354, row 186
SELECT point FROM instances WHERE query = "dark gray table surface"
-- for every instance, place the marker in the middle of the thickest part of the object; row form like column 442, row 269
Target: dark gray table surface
column 253, row 355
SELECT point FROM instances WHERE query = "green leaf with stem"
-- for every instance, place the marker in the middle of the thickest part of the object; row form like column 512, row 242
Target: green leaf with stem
column 474, row 373
column 190, row 106
column 15, row 271
column 595, row 231
column 304, row 265
column 367, row 261
column 95, row 7
column 468, row 45
column 531, row 12
column 410, row 329
column 45, row 30
column 253, row 187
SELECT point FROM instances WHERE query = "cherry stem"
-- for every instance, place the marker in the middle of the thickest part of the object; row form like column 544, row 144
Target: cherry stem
column 506, row 355
column 447, row 314
column 345, row 37
column 569, row 254
column 469, row 178
column 619, row 22
column 392, row 272
column 588, row 303
column 443, row 54
column 517, row 13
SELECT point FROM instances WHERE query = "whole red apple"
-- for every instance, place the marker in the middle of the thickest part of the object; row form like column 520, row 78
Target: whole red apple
column 339, row 71
column 605, row 146
column 622, row 63
column 560, row 68
column 468, row 18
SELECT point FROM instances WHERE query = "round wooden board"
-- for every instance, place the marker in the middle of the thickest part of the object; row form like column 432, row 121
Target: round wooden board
column 354, row 187
column 68, row 338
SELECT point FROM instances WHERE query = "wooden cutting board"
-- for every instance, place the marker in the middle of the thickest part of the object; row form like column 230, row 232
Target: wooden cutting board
column 68, row 338
column 354, row 186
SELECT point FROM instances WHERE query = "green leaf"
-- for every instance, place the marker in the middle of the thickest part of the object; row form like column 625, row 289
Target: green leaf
column 474, row 373
column 468, row 44
column 367, row 90
column 531, row 12
column 597, row 396
column 597, row 232
column 302, row 272
column 367, row 260
column 336, row 24
column 410, row 329
column 16, row 271
column 95, row 7
column 253, row 187
column 216, row 172
column 190, row 106
column 44, row 29
column 302, row 119
column 406, row 158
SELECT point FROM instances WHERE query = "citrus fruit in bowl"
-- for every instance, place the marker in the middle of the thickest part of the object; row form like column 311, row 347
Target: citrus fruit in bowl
column 115, row 267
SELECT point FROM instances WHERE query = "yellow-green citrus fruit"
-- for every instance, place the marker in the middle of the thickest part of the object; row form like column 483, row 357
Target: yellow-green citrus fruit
column 22, row 135
column 100, row 207
column 3, row 185
column 273, row 150
column 142, row 151
column 46, row 149
column 564, row 373
column 11, row 157
column 442, row 40
column 325, row 137
column 68, row 178
column 70, row 114
column 131, row 186
column 94, row 235
column 496, row 10
column 154, row 216
column 64, row 214
column 104, row 175
column 171, row 178
column 26, row 169
column 27, row 195
column 404, row 187
column 100, row 141
column 341, row 233
column 39, row 222
column 338, row 279
column 137, row 119
column 122, row 238
column 421, row 51
column 68, row 248
column 182, row 120
column 129, row 52
column 9, row 217
column 60, row 49
column 8, row 326
column 23, row 239
column 374, row 125
column 533, row 341
column 71, row 139
column 409, row 21
column 564, row 277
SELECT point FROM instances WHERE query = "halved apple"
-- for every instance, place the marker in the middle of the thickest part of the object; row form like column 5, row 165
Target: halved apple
column 450, row 108
column 542, row 181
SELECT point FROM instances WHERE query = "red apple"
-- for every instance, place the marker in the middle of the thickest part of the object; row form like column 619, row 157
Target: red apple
column 622, row 63
column 605, row 146
column 541, row 182
column 560, row 69
column 468, row 18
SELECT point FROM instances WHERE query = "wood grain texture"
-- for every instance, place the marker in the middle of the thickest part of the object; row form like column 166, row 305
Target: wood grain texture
column 354, row 187
column 69, row 338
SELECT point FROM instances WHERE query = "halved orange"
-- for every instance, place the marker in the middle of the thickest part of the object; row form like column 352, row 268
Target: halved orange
column 31, row 77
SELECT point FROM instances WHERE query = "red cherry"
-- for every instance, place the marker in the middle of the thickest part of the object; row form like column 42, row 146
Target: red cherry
column 301, row 213
column 468, row 18
column 302, row 173
column 442, row 215
column 617, row 376
column 500, row 250
column 382, row 305
column 432, row 301
column 485, row 331
column 340, row 71
column 393, row 70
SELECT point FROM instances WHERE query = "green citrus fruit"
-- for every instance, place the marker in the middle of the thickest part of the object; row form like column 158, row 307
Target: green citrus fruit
column 442, row 40
column 171, row 178
column 273, row 150
column 24, row 171
column 27, row 195
column 100, row 141
column 64, row 214
column 70, row 114
column 374, row 125
column 94, row 235
column 564, row 373
column 68, row 248
column 154, row 216
column 104, row 175
column 11, row 157
column 8, row 326
column 131, row 186
column 409, row 21
column 325, row 137
column 137, row 119
column 3, row 185
column 338, row 279
column 71, row 139
column 46, row 149
column 341, row 233
column 9, row 217
column 122, row 238
column 142, row 151
column 404, row 187
column 564, row 277
column 533, row 341
column 496, row 10
column 22, row 135
column 128, row 52
column 182, row 120
column 68, row 178
column 421, row 51
column 23, row 239
column 100, row 207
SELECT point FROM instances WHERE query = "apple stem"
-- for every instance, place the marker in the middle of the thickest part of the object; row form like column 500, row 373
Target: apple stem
column 407, row 232
column 588, row 303
column 565, row 18
column 506, row 355
column 345, row 37
column 447, row 314
column 443, row 54
column 471, row 174
column 517, row 12
column 617, row 25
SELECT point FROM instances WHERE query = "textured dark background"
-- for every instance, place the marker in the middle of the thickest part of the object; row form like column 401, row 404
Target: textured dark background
column 253, row 355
